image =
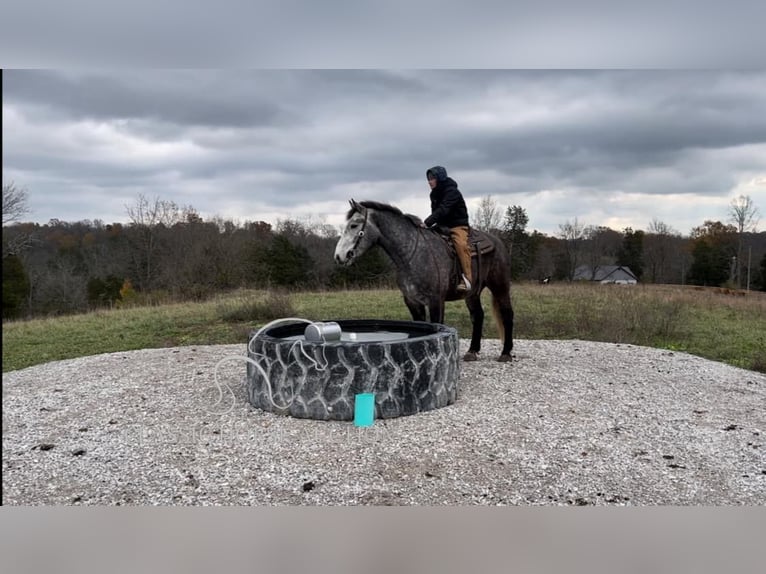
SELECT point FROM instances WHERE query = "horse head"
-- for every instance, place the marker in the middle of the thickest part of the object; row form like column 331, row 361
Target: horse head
column 355, row 238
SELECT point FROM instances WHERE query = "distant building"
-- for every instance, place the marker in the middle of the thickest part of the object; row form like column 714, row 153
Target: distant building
column 619, row 274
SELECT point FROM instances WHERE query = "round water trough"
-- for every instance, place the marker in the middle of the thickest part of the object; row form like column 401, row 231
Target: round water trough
column 410, row 366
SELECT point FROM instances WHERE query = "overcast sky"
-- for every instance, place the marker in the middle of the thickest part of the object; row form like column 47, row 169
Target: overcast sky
column 613, row 148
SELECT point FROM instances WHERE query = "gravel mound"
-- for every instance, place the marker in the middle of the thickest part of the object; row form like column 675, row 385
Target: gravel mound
column 567, row 423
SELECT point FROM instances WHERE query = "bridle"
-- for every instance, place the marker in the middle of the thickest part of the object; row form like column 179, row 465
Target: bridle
column 360, row 233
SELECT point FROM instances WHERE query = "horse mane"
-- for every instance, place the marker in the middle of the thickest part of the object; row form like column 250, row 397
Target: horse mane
column 376, row 205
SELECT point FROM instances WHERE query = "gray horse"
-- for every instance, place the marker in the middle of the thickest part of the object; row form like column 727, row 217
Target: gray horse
column 427, row 268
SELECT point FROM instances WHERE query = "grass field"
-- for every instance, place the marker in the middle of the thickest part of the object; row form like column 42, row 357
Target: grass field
column 710, row 323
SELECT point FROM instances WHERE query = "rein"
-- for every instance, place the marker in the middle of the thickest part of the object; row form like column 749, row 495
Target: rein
column 436, row 264
column 361, row 233
column 415, row 249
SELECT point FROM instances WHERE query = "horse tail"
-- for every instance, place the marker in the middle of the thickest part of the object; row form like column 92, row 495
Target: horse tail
column 498, row 319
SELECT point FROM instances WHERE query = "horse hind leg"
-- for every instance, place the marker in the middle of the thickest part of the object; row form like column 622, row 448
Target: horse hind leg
column 502, row 310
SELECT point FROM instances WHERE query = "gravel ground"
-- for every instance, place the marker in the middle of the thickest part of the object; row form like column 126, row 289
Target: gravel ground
column 567, row 423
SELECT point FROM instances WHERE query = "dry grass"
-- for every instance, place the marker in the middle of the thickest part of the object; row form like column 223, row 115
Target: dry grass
column 715, row 324
column 255, row 308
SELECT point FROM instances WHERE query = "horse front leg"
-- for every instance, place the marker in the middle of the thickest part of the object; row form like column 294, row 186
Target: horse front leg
column 417, row 310
column 436, row 311
column 477, row 321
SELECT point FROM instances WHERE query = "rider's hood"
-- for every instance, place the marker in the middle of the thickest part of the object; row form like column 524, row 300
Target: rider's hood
column 438, row 172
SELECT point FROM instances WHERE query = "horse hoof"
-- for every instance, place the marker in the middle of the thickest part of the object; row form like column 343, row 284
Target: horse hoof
column 471, row 356
column 504, row 359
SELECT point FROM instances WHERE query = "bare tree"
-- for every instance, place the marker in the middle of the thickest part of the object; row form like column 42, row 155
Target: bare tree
column 147, row 216
column 600, row 246
column 317, row 226
column 58, row 287
column 487, row 216
column 658, row 251
column 14, row 203
column 745, row 216
column 156, row 211
column 17, row 239
column 661, row 228
column 572, row 234
column 14, row 208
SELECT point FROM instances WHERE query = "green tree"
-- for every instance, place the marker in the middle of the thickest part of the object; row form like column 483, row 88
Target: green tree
column 15, row 287
column 104, row 291
column 288, row 265
column 631, row 252
column 763, row 272
column 521, row 245
column 372, row 269
column 713, row 251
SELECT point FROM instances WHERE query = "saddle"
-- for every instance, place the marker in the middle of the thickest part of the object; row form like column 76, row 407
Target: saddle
column 479, row 243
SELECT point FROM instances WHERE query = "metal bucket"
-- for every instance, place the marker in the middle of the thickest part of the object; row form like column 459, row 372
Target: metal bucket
column 322, row 332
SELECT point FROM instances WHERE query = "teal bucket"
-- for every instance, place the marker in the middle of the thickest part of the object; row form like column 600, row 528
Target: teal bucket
column 364, row 409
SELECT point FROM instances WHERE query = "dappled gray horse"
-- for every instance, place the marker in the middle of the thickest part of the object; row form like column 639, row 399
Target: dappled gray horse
column 427, row 269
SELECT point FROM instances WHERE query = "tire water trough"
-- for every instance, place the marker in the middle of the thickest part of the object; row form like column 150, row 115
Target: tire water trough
column 317, row 370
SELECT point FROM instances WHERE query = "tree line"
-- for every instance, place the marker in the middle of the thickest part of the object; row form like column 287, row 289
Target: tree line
column 713, row 254
column 169, row 252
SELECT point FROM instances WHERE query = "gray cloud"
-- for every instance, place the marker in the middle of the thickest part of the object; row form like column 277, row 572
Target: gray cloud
column 283, row 143
column 213, row 99
column 427, row 34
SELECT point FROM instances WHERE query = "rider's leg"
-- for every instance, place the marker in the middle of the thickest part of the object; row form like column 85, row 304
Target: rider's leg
column 459, row 237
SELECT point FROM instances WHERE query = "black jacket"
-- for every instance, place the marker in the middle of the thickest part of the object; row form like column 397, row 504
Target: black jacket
column 447, row 205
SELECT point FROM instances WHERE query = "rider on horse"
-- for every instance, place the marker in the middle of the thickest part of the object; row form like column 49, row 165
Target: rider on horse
column 448, row 209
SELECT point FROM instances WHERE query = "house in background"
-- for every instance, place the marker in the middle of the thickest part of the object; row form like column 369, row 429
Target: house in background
column 619, row 274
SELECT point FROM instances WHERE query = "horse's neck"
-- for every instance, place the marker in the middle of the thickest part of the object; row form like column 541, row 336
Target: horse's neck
column 398, row 238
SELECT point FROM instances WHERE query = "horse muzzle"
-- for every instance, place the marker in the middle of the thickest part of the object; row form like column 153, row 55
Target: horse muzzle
column 347, row 259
